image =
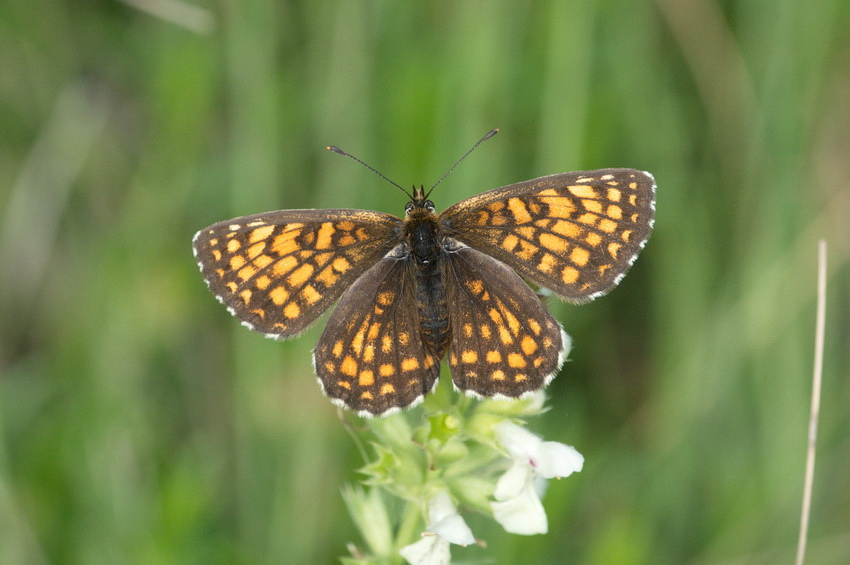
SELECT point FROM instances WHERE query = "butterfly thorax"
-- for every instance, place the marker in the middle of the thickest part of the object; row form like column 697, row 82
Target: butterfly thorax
column 424, row 241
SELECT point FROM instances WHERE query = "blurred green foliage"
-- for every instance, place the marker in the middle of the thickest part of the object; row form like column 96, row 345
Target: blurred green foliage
column 140, row 423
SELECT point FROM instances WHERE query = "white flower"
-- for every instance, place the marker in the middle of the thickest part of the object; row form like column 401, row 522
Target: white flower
column 518, row 508
column 430, row 550
column 445, row 526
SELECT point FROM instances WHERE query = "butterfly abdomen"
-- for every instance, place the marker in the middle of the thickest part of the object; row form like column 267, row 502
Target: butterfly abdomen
column 433, row 309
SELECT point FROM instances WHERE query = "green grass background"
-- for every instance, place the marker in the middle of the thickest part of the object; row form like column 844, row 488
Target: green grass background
column 140, row 423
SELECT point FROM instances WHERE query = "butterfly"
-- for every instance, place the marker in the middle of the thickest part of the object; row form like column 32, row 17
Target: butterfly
column 412, row 290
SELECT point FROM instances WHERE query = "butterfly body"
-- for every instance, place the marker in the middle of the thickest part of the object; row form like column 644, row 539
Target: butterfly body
column 412, row 291
column 423, row 243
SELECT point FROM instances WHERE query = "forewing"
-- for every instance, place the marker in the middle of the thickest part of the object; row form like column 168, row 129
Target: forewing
column 371, row 357
column 277, row 272
column 574, row 233
column 504, row 341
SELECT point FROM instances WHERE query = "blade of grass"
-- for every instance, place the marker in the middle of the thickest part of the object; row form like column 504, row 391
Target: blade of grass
column 815, row 409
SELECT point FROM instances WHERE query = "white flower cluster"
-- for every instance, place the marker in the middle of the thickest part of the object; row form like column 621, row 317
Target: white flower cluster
column 517, row 506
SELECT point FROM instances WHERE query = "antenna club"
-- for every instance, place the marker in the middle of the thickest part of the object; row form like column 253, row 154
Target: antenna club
column 487, row 136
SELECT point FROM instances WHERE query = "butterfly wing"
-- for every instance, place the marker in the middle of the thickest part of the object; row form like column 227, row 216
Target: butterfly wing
column 277, row 272
column 504, row 341
column 574, row 233
column 371, row 357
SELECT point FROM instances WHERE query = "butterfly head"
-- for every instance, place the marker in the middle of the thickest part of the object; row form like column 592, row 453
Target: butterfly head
column 419, row 202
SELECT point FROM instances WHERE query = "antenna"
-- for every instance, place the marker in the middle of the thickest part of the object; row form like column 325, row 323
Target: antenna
column 489, row 134
column 371, row 168
column 339, row 151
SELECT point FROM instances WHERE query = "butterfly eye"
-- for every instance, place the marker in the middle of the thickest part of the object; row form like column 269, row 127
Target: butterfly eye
column 408, row 208
column 429, row 205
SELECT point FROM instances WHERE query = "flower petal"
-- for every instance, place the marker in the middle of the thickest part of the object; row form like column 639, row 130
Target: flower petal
column 557, row 460
column 519, row 442
column 523, row 514
column 440, row 505
column 446, row 522
column 454, row 530
column 513, row 481
column 430, row 550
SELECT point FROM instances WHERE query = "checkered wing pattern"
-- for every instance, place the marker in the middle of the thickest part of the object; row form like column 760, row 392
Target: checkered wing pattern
column 277, row 272
column 574, row 233
column 371, row 357
column 504, row 342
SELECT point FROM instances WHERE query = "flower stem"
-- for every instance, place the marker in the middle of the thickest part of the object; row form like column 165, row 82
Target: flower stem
column 409, row 526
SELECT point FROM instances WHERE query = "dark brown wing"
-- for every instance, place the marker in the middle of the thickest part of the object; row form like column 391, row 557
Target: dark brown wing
column 504, row 342
column 277, row 272
column 371, row 357
column 574, row 233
